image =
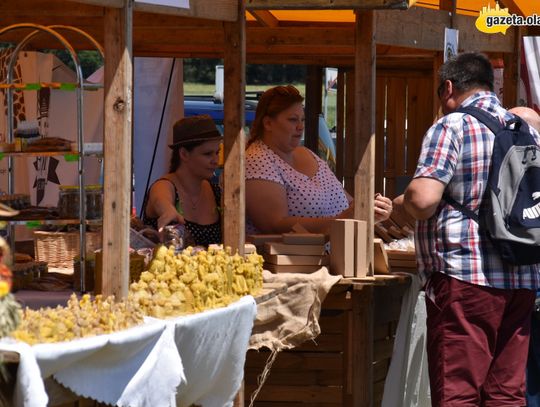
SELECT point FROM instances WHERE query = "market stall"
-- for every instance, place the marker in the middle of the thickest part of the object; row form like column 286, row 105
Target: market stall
column 360, row 326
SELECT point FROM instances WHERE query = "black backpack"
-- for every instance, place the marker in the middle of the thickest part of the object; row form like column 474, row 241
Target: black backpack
column 510, row 208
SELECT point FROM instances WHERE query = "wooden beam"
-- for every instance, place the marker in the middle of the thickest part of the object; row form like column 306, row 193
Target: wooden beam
column 511, row 73
column 421, row 28
column 364, row 130
column 222, row 10
column 326, row 4
column 340, row 124
column 313, row 104
column 102, row 3
column 350, row 146
column 234, row 142
column 117, row 149
column 437, row 63
column 362, row 345
column 265, row 18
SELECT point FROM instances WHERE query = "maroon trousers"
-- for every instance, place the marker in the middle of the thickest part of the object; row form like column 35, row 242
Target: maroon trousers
column 477, row 343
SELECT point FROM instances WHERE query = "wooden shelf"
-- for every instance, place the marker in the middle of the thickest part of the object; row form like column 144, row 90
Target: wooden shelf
column 32, row 223
column 71, row 155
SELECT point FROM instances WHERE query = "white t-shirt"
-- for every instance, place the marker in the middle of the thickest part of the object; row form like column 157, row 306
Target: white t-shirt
column 319, row 196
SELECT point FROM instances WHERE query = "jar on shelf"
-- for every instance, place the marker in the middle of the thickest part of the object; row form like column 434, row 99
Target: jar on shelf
column 94, row 201
column 68, row 201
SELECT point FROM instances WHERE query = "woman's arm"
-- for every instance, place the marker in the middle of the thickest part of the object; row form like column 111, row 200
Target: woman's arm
column 161, row 204
column 266, row 207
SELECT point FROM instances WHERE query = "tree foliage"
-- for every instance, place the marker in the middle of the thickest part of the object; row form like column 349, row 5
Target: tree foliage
column 204, row 70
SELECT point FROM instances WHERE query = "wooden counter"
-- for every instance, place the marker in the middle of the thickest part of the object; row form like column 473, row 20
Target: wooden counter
column 348, row 362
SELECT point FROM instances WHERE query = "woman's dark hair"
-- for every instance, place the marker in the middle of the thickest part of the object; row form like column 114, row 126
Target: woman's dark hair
column 175, row 154
column 467, row 71
column 272, row 102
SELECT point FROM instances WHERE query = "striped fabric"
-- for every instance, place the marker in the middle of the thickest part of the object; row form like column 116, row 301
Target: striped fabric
column 457, row 151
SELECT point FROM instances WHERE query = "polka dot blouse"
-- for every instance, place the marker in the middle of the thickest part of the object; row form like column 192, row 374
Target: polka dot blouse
column 319, row 196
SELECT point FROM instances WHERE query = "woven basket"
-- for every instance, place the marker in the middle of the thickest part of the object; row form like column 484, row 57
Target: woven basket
column 59, row 248
column 136, row 267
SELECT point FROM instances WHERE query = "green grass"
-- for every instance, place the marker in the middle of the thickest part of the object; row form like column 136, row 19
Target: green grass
column 208, row 89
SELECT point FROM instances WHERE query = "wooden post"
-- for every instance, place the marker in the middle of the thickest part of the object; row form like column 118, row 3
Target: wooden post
column 313, row 107
column 437, row 62
column 234, row 142
column 380, row 119
column 350, row 164
column 117, row 149
column 364, row 125
column 362, row 346
column 511, row 72
column 340, row 124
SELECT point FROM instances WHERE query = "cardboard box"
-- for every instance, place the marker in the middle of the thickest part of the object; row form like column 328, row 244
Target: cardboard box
column 380, row 258
column 291, row 260
column 261, row 239
column 298, row 249
column 304, row 238
column 277, row 268
column 342, row 247
column 360, row 243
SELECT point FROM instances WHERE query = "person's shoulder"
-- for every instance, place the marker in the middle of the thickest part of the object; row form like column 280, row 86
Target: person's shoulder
column 165, row 180
column 257, row 152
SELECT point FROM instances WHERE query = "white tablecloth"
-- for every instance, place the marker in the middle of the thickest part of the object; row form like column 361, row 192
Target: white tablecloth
column 199, row 358
column 407, row 381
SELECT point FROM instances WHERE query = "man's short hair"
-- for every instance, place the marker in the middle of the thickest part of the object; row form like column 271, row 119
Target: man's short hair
column 466, row 71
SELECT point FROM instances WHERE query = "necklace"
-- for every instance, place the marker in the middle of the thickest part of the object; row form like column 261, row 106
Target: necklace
column 194, row 202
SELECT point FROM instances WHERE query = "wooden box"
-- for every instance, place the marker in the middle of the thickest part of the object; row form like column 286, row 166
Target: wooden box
column 401, row 260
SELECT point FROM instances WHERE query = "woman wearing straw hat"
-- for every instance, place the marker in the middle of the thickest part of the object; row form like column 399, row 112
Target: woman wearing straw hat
column 185, row 195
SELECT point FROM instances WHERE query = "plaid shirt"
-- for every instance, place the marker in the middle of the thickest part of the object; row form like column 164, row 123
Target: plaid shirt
column 457, row 151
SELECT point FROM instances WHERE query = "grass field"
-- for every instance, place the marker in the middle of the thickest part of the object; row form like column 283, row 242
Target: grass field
column 204, row 89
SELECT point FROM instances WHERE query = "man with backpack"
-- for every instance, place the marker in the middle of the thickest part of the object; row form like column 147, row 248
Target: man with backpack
column 533, row 363
column 479, row 298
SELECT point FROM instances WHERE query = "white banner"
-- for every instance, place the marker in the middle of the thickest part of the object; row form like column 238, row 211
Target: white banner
column 171, row 3
column 158, row 93
column 530, row 76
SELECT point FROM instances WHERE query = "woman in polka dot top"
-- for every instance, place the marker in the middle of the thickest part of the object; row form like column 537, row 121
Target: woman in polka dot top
column 287, row 183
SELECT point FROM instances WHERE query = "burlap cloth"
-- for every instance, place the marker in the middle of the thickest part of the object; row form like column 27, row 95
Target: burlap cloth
column 290, row 318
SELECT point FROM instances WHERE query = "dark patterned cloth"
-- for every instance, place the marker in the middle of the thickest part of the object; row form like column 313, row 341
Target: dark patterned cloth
column 203, row 235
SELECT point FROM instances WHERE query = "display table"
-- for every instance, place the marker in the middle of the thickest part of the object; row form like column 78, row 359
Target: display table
column 199, row 358
column 38, row 299
column 347, row 364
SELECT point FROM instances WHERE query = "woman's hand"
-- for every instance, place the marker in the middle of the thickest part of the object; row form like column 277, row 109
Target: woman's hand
column 383, row 208
column 169, row 215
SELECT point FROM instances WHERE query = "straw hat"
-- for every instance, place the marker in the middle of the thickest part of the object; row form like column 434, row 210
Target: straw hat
column 193, row 129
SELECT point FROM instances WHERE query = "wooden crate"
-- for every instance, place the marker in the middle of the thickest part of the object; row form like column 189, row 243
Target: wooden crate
column 401, row 260
column 347, row 364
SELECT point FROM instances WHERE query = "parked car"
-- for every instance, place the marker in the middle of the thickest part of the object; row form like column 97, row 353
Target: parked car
column 195, row 105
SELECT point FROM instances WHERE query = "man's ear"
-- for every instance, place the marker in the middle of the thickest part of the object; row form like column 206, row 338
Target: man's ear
column 449, row 87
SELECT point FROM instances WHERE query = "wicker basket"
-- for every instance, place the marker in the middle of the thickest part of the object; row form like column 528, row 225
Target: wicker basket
column 59, row 248
column 136, row 267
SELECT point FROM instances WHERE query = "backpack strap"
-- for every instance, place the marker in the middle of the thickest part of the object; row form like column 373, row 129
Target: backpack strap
column 483, row 117
column 460, row 207
column 492, row 124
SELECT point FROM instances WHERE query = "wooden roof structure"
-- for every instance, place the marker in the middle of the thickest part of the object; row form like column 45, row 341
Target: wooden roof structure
column 342, row 33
